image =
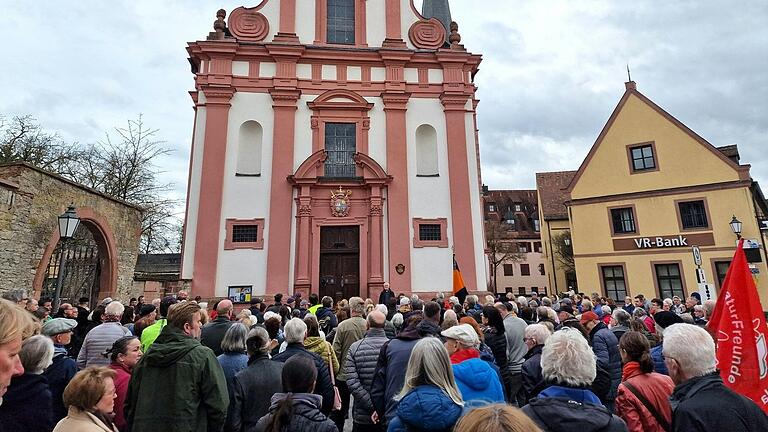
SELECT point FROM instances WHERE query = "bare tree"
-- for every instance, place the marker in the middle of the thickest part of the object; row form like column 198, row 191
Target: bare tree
column 22, row 139
column 501, row 248
column 124, row 165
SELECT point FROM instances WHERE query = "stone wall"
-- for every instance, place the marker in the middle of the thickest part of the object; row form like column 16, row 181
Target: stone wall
column 30, row 202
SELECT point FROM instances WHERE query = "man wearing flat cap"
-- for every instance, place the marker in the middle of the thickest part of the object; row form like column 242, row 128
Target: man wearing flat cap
column 477, row 379
column 63, row 367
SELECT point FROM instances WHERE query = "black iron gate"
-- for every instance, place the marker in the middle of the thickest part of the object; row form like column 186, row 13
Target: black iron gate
column 81, row 266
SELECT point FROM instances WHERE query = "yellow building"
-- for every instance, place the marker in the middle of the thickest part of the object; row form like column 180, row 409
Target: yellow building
column 648, row 191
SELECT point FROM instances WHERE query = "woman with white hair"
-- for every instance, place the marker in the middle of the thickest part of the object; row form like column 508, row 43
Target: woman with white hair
column 429, row 399
column 476, row 379
column 28, row 405
column 535, row 337
column 568, row 363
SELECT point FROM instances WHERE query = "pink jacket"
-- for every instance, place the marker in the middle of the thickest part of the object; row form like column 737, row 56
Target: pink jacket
column 122, row 379
column 656, row 388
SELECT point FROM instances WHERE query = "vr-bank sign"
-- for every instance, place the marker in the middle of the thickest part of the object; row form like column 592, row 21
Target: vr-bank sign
column 663, row 241
column 660, row 242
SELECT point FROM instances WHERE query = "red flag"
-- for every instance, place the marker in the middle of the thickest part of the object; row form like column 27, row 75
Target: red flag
column 739, row 324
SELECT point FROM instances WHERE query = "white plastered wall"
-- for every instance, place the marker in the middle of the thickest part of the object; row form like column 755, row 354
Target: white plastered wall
column 302, row 148
column 376, row 23
column 377, row 135
column 271, row 11
column 481, row 266
column 429, row 197
column 193, row 195
column 305, row 21
column 407, row 18
column 246, row 197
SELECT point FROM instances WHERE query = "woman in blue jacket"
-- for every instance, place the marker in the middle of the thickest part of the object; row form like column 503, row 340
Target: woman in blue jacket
column 476, row 379
column 429, row 399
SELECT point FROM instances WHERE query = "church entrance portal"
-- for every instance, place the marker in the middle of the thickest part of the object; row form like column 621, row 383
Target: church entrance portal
column 340, row 262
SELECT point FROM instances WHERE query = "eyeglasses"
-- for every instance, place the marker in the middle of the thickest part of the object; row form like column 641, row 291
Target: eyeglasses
column 667, row 357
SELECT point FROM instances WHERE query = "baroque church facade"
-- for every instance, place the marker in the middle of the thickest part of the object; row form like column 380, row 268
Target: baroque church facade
column 334, row 149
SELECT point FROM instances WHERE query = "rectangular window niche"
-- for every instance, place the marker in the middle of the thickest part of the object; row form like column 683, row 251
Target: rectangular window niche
column 428, row 236
column 244, row 234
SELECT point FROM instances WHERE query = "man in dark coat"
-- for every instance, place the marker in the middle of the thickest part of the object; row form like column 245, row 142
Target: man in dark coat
column 606, row 349
column 178, row 385
column 62, row 368
column 386, row 294
column 277, row 305
column 255, row 385
column 360, row 367
column 214, row 331
column 295, row 332
column 700, row 401
column 390, row 368
column 533, row 380
column 325, row 316
column 256, row 310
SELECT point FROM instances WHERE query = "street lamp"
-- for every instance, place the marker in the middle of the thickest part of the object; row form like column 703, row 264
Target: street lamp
column 68, row 223
column 736, row 227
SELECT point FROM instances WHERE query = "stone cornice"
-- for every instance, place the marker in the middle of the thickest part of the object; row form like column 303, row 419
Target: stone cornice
column 218, row 95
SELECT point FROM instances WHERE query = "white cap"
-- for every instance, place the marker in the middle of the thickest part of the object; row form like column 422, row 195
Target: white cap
column 405, row 301
column 464, row 333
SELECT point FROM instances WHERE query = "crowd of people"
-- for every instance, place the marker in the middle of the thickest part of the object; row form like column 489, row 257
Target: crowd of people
column 402, row 363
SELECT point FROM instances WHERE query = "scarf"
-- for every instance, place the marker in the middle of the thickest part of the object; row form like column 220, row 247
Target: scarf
column 630, row 370
column 464, row 354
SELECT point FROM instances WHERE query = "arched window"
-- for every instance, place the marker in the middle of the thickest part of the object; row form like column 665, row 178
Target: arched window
column 426, row 151
column 249, row 149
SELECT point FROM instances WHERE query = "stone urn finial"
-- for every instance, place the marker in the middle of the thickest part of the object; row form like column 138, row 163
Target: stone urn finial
column 454, row 37
column 219, row 26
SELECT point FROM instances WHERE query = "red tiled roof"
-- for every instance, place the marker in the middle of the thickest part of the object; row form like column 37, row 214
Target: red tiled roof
column 552, row 188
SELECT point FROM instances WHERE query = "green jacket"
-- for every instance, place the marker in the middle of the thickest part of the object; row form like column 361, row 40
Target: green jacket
column 177, row 386
column 151, row 333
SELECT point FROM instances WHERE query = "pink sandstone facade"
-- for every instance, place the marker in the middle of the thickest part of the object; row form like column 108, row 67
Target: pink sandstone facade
column 334, row 149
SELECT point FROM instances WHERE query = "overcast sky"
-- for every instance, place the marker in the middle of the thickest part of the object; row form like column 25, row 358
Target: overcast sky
column 552, row 72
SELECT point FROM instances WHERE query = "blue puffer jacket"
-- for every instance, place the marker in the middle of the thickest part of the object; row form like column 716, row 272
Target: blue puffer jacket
column 425, row 408
column 606, row 349
column 658, row 360
column 477, row 381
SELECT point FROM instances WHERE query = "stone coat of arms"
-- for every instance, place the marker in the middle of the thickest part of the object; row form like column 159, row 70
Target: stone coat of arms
column 340, row 202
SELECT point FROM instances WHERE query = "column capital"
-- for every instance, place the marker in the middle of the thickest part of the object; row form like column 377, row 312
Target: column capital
column 284, row 97
column 454, row 101
column 215, row 95
column 395, row 101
